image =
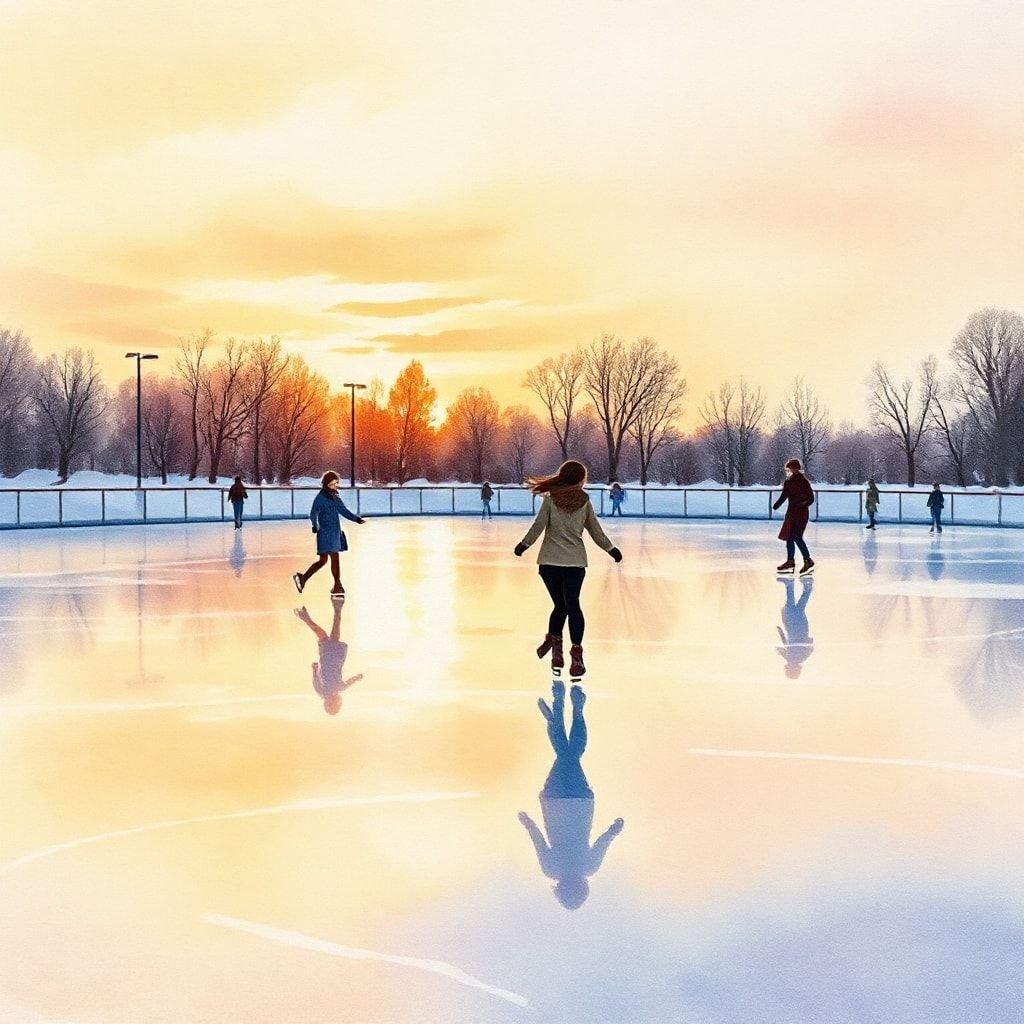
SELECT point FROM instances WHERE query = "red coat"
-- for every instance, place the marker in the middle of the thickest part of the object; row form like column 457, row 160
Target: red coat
column 797, row 491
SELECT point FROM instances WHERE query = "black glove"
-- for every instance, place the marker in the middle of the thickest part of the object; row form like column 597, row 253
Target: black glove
column 616, row 554
column 520, row 548
column 359, row 522
column 314, row 529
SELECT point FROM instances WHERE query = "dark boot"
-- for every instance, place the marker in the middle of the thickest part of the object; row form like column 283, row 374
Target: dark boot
column 576, row 666
column 553, row 644
column 787, row 566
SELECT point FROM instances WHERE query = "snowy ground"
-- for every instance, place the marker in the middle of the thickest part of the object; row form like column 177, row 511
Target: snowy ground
column 820, row 782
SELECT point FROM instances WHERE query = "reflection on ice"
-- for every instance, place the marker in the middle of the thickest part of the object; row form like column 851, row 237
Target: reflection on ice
column 795, row 633
column 328, row 671
column 567, row 804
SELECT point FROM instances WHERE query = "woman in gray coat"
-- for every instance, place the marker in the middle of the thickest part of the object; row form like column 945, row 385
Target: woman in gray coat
column 326, row 515
column 564, row 514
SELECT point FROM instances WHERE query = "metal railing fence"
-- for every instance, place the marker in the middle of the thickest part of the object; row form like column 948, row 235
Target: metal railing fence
column 35, row 507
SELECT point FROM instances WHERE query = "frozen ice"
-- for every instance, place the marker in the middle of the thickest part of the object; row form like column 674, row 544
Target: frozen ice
column 799, row 801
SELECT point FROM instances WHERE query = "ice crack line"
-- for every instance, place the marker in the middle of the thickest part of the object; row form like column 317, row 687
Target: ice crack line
column 948, row 766
column 299, row 941
column 257, row 812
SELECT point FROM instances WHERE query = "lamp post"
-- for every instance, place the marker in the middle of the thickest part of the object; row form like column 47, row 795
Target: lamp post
column 138, row 357
column 352, row 431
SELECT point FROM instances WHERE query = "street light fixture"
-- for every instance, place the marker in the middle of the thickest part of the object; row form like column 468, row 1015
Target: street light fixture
column 138, row 357
column 352, row 432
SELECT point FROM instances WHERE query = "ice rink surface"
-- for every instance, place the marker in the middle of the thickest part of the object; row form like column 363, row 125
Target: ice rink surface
column 820, row 784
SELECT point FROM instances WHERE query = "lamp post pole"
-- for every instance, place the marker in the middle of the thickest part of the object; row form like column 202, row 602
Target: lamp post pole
column 138, row 357
column 352, row 431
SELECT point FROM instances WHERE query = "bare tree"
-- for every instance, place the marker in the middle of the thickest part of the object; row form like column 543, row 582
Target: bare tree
column 162, row 433
column 190, row 371
column 558, row 383
column 474, row 415
column 954, row 428
column 682, row 463
column 71, row 399
column 224, row 407
column 655, row 425
column 267, row 363
column 901, row 414
column 522, row 431
column 18, row 371
column 296, row 419
column 807, row 422
column 733, row 418
column 989, row 357
column 620, row 379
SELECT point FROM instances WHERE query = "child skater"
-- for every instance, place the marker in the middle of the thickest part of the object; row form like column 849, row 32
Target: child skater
column 797, row 491
column 567, row 803
column 237, row 495
column 618, row 496
column 871, row 502
column 564, row 514
column 329, row 669
column 486, row 493
column 326, row 515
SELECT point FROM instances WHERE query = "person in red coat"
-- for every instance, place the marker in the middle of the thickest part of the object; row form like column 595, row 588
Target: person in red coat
column 798, row 493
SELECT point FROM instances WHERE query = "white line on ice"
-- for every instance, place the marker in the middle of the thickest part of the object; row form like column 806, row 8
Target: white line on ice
column 130, row 707
column 897, row 762
column 299, row 941
column 257, row 812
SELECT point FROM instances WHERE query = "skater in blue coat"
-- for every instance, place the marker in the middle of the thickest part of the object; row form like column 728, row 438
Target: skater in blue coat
column 326, row 515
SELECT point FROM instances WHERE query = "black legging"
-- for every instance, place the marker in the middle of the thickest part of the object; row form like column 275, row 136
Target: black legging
column 564, row 583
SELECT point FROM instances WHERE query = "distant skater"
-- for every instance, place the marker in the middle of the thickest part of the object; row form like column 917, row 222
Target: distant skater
column 328, row 670
column 936, row 503
column 872, row 499
column 567, row 803
column 326, row 514
column 797, row 491
column 618, row 495
column 237, row 495
column 564, row 514
column 486, row 493
column 795, row 633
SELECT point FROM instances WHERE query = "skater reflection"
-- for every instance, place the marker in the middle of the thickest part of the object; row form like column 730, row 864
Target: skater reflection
column 870, row 548
column 327, row 673
column 237, row 557
column 936, row 562
column 567, row 804
column 795, row 632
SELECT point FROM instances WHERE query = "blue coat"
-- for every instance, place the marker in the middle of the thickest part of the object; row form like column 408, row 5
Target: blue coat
column 326, row 515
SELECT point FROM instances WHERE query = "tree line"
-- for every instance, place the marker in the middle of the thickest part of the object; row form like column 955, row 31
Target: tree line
column 247, row 406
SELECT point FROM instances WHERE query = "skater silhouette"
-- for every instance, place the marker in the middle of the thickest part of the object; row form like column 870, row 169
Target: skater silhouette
column 800, row 497
column 326, row 514
column 567, row 805
column 564, row 514
column 486, row 493
column 618, row 496
column 328, row 670
column 795, row 632
column 237, row 495
column 936, row 503
column 872, row 499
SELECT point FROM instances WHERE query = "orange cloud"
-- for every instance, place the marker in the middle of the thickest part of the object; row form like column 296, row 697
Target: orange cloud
column 410, row 307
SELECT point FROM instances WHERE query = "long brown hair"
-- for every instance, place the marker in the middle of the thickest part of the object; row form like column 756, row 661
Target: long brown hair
column 570, row 474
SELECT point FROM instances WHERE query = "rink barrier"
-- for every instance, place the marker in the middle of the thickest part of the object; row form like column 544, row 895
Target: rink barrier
column 42, row 507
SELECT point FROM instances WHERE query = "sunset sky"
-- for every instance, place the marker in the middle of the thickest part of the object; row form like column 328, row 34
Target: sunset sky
column 766, row 189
